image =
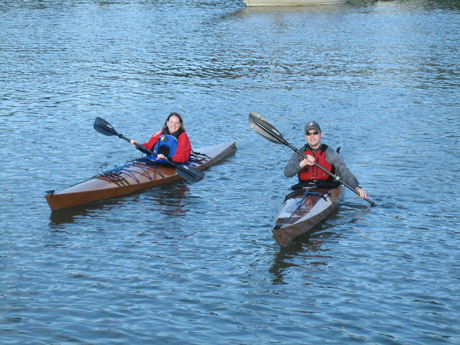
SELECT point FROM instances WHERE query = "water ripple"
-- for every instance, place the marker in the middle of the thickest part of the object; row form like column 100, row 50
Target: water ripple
column 185, row 263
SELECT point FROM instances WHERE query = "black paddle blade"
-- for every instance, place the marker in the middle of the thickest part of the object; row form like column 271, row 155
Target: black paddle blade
column 104, row 127
column 265, row 129
column 189, row 173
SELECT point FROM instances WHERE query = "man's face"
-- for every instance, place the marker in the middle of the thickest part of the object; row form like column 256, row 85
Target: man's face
column 313, row 137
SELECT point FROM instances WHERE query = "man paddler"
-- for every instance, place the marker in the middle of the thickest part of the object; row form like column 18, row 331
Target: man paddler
column 324, row 156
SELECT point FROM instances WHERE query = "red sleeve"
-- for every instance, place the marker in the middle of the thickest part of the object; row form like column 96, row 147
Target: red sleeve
column 183, row 150
column 153, row 140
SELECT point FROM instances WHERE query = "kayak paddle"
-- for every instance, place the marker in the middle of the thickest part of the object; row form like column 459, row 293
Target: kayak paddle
column 265, row 129
column 187, row 172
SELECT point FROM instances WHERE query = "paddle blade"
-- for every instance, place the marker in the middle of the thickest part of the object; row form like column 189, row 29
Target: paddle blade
column 104, row 127
column 265, row 129
column 189, row 173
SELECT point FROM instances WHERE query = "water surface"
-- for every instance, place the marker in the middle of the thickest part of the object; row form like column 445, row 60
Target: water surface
column 196, row 263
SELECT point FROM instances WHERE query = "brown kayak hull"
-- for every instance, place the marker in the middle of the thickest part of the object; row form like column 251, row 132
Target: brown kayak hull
column 135, row 176
column 299, row 220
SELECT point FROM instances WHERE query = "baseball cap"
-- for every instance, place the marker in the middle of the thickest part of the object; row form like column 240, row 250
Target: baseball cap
column 312, row 125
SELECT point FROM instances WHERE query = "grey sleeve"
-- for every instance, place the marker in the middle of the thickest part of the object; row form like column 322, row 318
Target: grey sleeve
column 341, row 168
column 293, row 166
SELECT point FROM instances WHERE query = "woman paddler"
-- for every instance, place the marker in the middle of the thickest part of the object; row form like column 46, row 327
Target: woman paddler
column 171, row 141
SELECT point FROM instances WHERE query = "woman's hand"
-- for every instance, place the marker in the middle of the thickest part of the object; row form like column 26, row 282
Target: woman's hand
column 161, row 156
column 133, row 142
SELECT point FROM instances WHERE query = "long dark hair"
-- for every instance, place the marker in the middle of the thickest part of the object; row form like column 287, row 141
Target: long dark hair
column 181, row 129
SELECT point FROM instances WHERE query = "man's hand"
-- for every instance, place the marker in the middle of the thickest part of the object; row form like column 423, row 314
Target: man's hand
column 362, row 193
column 309, row 161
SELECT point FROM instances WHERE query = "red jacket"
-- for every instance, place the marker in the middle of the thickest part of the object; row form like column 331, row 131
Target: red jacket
column 183, row 150
column 312, row 172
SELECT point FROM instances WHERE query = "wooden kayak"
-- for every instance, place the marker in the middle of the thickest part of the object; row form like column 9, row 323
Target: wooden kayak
column 302, row 210
column 137, row 175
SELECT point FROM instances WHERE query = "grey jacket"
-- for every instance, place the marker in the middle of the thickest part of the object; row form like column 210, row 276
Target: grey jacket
column 332, row 157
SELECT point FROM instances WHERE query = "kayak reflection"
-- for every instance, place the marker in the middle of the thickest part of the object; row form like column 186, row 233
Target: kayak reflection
column 168, row 200
column 306, row 254
column 68, row 215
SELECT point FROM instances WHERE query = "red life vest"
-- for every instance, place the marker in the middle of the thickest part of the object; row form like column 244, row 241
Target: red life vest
column 312, row 172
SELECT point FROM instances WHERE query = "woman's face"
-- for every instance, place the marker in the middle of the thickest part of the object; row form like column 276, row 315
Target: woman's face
column 173, row 124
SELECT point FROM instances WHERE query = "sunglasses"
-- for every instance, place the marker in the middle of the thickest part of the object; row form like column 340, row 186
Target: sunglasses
column 312, row 133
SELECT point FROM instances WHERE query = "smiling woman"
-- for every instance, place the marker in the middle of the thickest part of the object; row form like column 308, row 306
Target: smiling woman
column 170, row 142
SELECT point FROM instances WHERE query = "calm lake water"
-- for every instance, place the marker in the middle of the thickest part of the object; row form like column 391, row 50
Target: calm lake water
column 196, row 263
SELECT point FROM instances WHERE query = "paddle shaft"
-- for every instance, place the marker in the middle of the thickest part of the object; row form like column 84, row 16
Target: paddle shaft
column 335, row 177
column 284, row 142
column 140, row 147
column 185, row 171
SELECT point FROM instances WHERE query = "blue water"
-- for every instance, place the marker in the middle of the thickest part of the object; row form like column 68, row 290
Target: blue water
column 196, row 263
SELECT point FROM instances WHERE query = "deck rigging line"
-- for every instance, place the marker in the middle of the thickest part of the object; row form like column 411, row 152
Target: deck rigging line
column 115, row 175
column 278, row 226
column 147, row 166
column 198, row 158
